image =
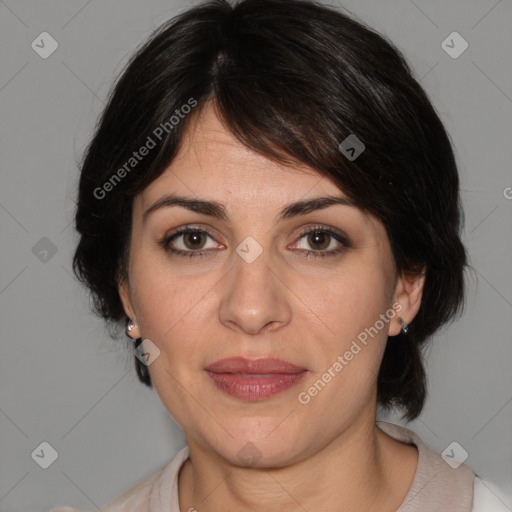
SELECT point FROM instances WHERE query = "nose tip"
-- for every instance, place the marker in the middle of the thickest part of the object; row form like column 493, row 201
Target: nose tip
column 255, row 327
column 255, row 300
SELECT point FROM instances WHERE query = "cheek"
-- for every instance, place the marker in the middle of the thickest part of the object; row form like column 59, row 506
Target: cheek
column 346, row 379
column 157, row 294
column 172, row 309
column 354, row 336
column 166, row 309
column 347, row 303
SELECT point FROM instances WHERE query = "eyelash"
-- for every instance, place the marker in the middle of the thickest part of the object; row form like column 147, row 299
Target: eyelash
column 164, row 243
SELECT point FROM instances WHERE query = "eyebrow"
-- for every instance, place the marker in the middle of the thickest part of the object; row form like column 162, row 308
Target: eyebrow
column 217, row 210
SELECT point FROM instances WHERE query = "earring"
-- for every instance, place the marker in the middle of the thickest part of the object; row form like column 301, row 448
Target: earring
column 129, row 327
column 405, row 327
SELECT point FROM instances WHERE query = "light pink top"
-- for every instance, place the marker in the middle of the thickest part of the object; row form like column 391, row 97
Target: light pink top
column 436, row 487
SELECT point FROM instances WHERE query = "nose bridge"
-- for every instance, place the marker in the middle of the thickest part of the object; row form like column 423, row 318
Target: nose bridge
column 254, row 296
column 252, row 267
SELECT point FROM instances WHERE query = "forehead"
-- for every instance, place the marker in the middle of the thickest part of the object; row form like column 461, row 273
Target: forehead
column 211, row 160
column 213, row 165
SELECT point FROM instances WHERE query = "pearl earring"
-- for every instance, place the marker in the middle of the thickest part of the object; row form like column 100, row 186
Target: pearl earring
column 129, row 327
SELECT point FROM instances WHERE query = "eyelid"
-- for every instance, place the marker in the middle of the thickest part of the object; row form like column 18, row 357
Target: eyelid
column 187, row 229
column 338, row 235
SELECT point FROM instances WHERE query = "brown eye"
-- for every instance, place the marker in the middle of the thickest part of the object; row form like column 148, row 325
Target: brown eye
column 319, row 240
column 194, row 239
column 190, row 241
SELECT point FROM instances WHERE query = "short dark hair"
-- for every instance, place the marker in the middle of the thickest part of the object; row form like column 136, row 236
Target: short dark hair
column 291, row 79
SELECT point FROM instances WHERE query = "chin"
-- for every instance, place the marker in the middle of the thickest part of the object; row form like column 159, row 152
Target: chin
column 261, row 448
column 255, row 455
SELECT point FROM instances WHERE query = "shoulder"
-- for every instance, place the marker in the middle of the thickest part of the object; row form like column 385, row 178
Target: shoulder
column 486, row 499
column 143, row 496
column 444, row 486
column 437, row 485
column 65, row 509
column 135, row 499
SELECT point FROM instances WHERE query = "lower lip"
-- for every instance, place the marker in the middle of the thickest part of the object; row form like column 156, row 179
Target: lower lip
column 255, row 387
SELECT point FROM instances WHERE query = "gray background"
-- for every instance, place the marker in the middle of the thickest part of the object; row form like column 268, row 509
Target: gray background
column 64, row 381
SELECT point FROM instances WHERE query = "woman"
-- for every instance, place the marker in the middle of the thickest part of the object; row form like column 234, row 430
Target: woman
column 271, row 204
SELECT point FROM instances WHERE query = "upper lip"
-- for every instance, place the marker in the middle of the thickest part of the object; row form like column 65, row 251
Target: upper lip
column 253, row 366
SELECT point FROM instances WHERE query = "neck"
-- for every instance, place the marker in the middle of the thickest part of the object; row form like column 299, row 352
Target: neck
column 361, row 469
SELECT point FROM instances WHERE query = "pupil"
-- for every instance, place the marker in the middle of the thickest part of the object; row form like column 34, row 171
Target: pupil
column 316, row 235
column 196, row 237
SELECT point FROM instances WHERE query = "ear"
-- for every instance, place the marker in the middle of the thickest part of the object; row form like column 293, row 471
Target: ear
column 408, row 292
column 126, row 300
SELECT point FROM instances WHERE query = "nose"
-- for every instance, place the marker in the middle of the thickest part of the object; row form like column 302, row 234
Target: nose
column 255, row 298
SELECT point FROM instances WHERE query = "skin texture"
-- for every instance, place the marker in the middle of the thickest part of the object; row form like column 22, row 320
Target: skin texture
column 325, row 455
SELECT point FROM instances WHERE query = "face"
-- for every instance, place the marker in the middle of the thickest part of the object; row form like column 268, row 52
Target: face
column 301, row 288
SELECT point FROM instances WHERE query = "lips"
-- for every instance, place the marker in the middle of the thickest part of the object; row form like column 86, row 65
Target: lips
column 254, row 379
column 253, row 366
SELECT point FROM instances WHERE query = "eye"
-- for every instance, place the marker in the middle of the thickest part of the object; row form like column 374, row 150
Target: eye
column 190, row 242
column 320, row 239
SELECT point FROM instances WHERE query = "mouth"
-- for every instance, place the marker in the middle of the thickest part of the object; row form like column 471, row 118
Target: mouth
column 254, row 379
